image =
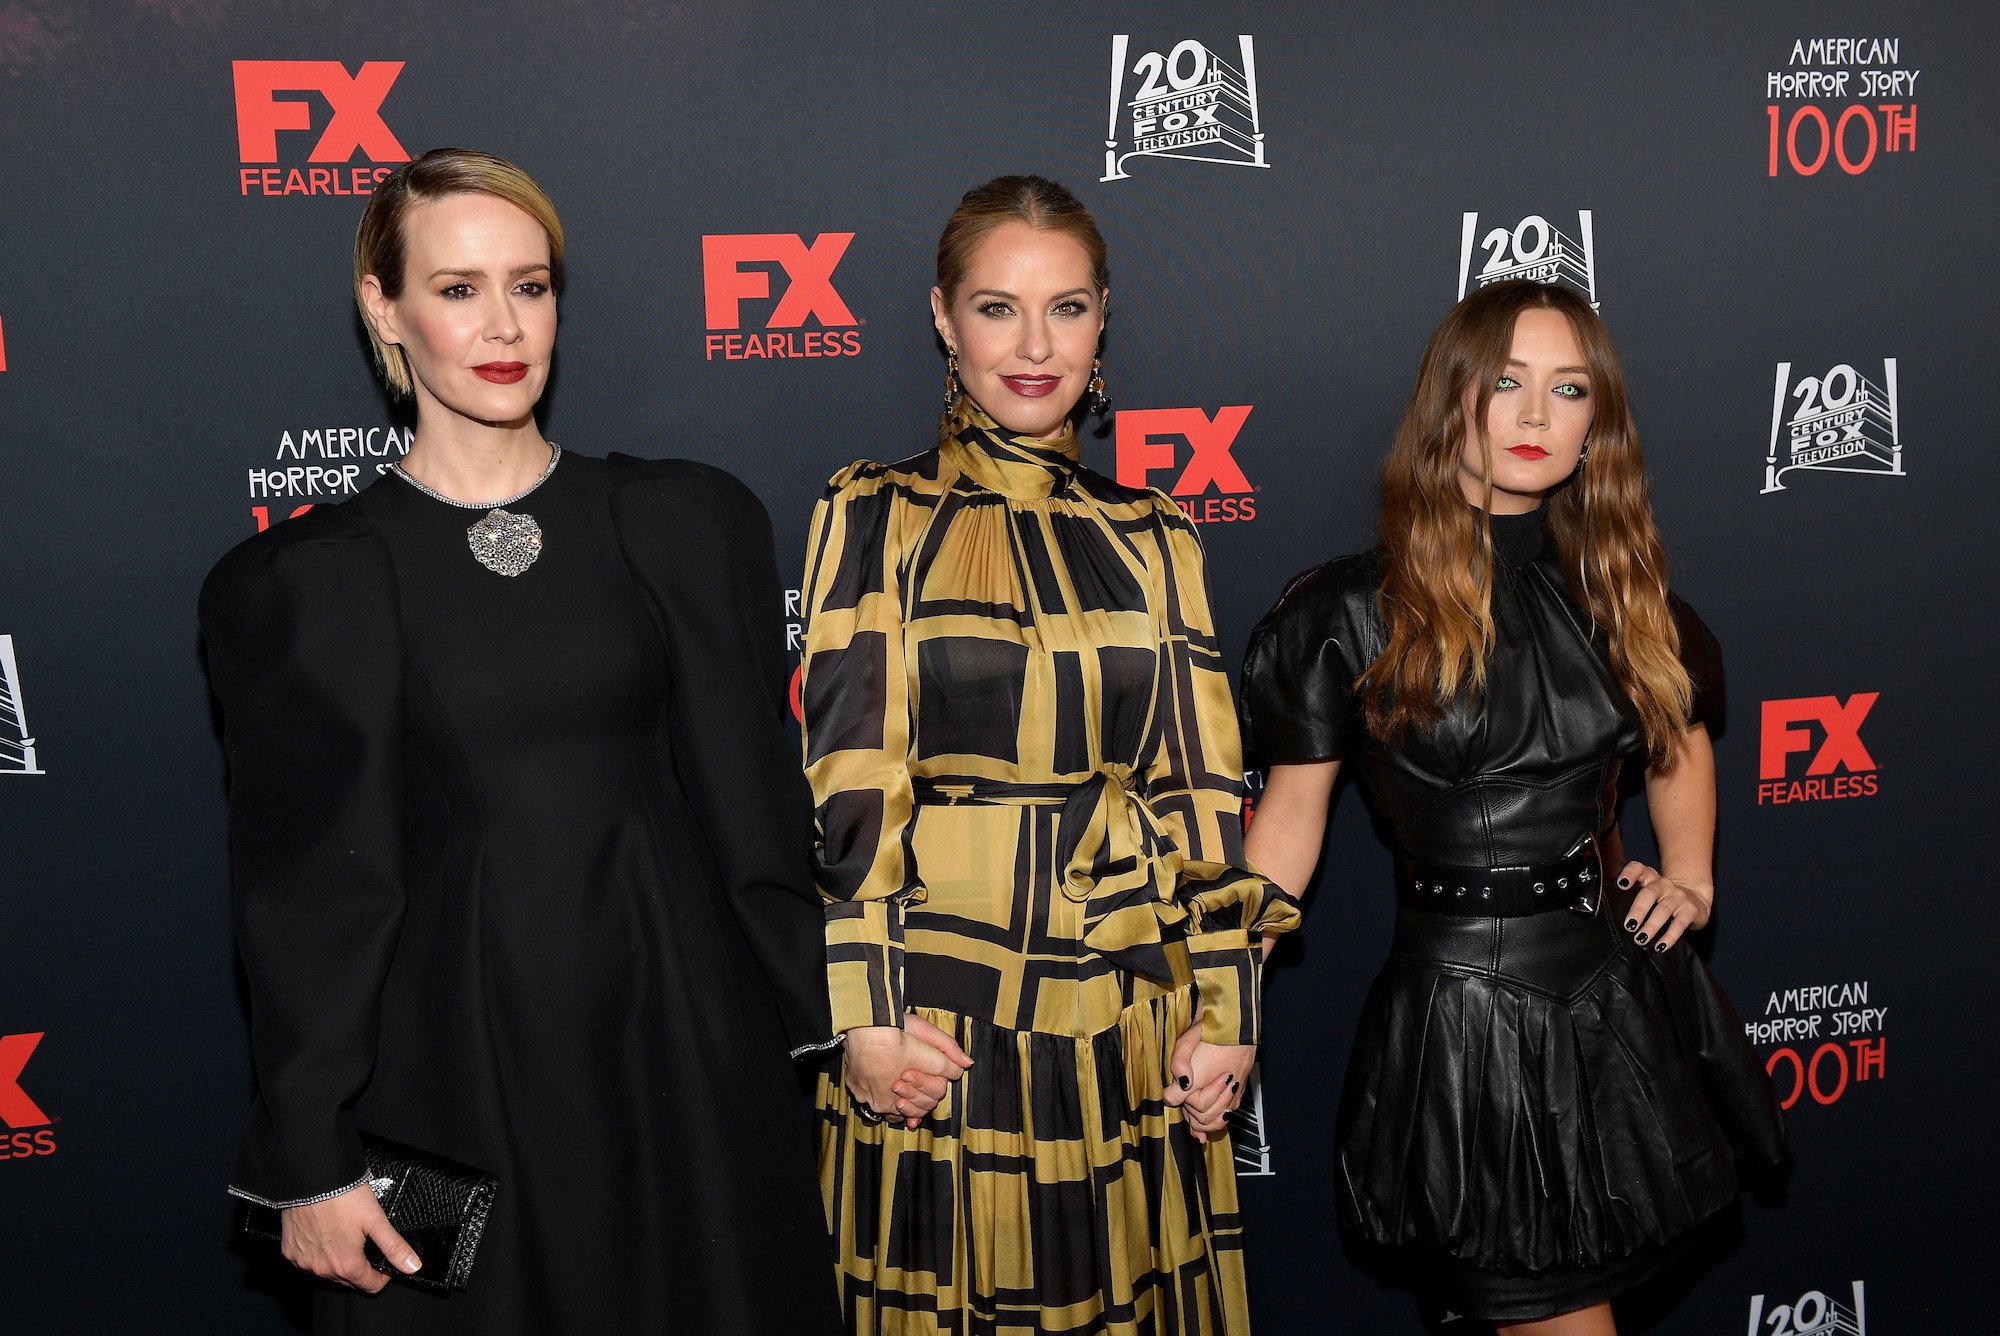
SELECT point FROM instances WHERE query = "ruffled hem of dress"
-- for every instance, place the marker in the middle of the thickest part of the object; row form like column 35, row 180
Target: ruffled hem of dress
column 1520, row 1133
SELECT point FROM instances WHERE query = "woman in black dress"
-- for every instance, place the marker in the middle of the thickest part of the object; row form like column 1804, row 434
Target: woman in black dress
column 1548, row 1091
column 519, row 835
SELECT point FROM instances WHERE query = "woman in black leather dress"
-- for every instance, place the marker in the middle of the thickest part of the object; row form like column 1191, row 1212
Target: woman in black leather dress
column 1548, row 1091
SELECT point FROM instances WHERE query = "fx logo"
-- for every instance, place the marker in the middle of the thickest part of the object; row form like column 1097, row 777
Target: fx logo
column 1151, row 440
column 356, row 99
column 727, row 282
column 1840, row 765
column 16, row 1109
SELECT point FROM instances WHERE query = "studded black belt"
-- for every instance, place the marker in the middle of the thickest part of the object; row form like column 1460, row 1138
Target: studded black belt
column 1573, row 882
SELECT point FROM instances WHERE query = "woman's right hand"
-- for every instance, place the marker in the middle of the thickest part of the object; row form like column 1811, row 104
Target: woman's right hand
column 902, row 1072
column 326, row 1239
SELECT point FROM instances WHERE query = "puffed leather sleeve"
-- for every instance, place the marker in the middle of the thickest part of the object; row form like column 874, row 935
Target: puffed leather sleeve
column 1298, row 703
column 304, row 655
column 699, row 544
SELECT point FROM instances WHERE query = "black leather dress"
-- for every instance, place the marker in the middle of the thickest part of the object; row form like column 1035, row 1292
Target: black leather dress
column 1543, row 1107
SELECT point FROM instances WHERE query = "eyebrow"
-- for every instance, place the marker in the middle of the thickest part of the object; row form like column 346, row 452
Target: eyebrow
column 996, row 292
column 1561, row 370
column 481, row 273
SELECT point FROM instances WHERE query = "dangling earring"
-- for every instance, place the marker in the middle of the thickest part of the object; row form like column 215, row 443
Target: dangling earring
column 952, row 392
column 1583, row 455
column 1100, row 402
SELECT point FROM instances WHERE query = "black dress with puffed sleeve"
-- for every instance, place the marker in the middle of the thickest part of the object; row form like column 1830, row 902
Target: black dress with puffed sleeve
column 522, row 877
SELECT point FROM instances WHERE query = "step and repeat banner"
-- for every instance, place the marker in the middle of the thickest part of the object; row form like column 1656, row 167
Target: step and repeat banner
column 1784, row 212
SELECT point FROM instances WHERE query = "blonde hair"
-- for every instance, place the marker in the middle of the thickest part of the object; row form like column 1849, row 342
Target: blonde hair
column 381, row 246
column 1436, row 597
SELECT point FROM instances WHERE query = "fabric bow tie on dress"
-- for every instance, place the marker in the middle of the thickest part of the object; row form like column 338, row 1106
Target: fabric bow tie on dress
column 1122, row 866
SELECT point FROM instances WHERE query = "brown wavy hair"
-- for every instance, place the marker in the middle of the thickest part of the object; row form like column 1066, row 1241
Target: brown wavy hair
column 1436, row 598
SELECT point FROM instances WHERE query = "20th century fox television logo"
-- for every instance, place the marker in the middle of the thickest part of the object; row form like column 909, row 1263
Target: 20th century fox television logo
column 1188, row 102
column 1814, row 1313
column 1840, row 422
column 1534, row 249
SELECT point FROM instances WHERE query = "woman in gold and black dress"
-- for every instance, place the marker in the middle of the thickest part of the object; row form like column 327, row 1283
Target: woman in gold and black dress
column 1020, row 737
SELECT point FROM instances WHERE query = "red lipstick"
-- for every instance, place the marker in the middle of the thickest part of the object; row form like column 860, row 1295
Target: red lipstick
column 1032, row 387
column 1528, row 450
column 501, row 373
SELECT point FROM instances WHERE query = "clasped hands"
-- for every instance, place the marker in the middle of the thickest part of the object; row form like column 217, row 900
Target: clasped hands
column 903, row 1072
column 1207, row 1079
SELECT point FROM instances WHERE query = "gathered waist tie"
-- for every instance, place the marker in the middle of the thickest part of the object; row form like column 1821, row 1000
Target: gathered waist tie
column 1116, row 859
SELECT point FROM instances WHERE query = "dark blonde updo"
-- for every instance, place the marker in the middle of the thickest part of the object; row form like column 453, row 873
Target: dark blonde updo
column 1035, row 200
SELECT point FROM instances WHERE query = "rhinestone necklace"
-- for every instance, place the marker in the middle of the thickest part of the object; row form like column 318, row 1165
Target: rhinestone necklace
column 502, row 542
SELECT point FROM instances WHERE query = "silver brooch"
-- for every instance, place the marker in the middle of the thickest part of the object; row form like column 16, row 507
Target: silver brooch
column 505, row 543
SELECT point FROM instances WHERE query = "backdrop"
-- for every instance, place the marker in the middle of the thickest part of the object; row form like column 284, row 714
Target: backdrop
column 1783, row 212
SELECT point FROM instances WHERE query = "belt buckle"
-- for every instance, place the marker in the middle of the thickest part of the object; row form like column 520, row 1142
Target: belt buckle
column 1583, row 882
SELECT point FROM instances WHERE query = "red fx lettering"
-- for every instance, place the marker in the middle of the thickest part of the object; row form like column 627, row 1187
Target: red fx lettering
column 1149, row 439
column 1782, row 734
column 16, row 1109
column 808, row 270
column 356, row 99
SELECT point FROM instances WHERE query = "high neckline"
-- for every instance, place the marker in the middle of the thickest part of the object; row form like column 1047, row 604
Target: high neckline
column 1026, row 468
column 1517, row 539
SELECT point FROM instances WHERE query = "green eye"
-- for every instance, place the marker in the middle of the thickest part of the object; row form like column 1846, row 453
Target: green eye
column 1506, row 383
column 1571, row 391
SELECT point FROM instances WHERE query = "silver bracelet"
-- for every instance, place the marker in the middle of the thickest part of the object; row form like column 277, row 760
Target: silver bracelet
column 235, row 1191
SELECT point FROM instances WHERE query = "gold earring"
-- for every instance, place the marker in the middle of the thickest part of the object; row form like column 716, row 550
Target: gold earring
column 953, row 392
column 1100, row 402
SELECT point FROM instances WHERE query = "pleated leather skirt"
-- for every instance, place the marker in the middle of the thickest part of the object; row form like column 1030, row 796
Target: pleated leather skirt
column 1543, row 1108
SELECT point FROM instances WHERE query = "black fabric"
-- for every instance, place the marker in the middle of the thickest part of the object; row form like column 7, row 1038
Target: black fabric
column 1536, row 1099
column 1537, row 1095
column 437, row 1205
column 1562, row 1289
column 521, row 879
column 1513, row 776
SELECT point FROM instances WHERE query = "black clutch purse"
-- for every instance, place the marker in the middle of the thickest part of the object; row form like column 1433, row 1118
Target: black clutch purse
column 439, row 1206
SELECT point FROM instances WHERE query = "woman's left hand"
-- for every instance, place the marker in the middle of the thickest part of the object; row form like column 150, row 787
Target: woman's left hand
column 1665, row 907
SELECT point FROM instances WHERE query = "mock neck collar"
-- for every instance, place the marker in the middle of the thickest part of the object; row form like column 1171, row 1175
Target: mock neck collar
column 1517, row 539
column 1023, row 467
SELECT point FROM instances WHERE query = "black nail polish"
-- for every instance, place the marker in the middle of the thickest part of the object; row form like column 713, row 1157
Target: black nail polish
column 1624, row 883
column 1185, row 1083
column 1660, row 945
column 1631, row 924
column 1232, row 1082
column 1641, row 939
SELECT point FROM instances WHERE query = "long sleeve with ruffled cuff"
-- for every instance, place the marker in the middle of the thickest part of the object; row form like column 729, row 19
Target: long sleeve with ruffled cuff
column 857, row 736
column 1195, row 784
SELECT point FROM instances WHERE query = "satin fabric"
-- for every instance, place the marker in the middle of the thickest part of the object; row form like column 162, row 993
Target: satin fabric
column 1020, row 737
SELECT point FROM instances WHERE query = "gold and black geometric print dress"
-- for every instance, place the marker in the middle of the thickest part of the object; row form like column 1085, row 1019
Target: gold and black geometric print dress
column 1021, row 742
